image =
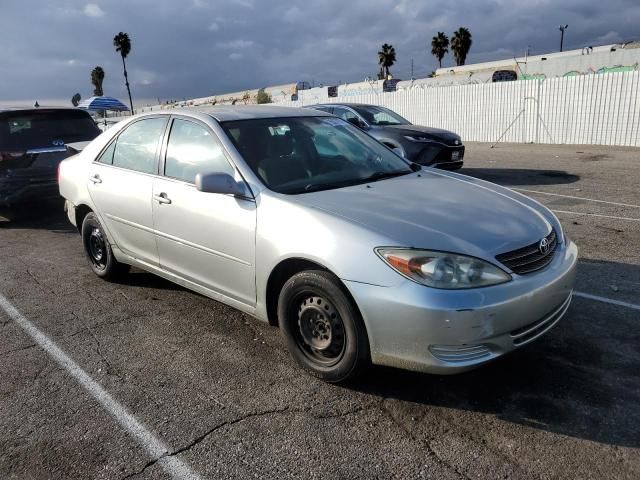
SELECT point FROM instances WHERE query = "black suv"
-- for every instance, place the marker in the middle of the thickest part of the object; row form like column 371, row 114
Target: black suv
column 423, row 145
column 32, row 144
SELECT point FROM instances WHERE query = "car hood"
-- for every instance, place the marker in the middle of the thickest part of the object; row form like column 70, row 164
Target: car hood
column 436, row 211
column 433, row 133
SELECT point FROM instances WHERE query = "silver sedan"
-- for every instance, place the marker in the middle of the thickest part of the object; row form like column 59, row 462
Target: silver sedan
column 303, row 221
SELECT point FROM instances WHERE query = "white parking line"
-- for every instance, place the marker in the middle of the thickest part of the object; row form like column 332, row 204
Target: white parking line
column 598, row 298
column 576, row 198
column 597, row 215
column 156, row 449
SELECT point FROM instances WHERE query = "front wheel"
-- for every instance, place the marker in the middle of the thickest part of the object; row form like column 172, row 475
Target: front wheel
column 322, row 327
column 98, row 250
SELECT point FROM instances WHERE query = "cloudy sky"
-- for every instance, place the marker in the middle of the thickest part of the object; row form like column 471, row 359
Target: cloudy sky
column 190, row 48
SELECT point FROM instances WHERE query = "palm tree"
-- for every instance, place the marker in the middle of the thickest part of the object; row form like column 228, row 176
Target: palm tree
column 386, row 59
column 97, row 77
column 123, row 45
column 461, row 44
column 75, row 100
column 439, row 46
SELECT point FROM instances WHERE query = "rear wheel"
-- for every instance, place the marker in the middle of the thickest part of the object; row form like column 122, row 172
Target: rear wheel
column 98, row 250
column 323, row 329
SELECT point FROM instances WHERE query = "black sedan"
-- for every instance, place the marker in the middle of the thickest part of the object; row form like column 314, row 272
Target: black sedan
column 423, row 145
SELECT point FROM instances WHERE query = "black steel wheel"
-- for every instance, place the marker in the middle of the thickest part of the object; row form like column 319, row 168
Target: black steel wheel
column 323, row 328
column 320, row 332
column 98, row 250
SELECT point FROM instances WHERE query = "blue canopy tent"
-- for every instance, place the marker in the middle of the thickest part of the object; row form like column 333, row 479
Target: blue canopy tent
column 101, row 104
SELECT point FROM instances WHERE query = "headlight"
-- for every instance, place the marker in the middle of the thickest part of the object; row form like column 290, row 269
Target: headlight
column 418, row 138
column 441, row 269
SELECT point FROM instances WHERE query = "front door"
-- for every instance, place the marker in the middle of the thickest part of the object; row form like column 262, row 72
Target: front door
column 121, row 186
column 206, row 238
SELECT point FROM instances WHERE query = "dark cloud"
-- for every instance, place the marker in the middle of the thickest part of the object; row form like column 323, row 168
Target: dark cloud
column 194, row 48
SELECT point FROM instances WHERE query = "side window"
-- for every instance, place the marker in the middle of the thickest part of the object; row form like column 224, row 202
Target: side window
column 107, row 155
column 345, row 114
column 192, row 149
column 137, row 145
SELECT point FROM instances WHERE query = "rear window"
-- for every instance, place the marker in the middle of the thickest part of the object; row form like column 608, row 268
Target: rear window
column 23, row 130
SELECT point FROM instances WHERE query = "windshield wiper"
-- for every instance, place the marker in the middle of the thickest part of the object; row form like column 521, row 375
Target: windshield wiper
column 382, row 175
column 314, row 187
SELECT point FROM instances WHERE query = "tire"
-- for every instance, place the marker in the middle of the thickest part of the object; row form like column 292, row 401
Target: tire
column 323, row 329
column 98, row 250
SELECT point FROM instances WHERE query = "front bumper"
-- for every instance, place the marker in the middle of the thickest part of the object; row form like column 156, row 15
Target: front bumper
column 435, row 154
column 418, row 328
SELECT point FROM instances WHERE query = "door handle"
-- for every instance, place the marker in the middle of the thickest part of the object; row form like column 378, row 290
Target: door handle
column 162, row 198
column 96, row 179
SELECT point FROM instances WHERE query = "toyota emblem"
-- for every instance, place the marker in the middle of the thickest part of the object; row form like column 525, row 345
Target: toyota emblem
column 544, row 246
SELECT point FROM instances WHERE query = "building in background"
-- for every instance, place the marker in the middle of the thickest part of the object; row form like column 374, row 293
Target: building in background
column 621, row 57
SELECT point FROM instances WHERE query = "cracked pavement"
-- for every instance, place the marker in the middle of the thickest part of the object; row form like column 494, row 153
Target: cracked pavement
column 220, row 389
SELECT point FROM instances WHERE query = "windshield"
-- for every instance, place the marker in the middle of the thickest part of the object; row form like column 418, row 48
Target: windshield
column 30, row 129
column 304, row 154
column 380, row 116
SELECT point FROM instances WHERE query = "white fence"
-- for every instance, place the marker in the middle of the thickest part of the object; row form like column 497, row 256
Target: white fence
column 584, row 109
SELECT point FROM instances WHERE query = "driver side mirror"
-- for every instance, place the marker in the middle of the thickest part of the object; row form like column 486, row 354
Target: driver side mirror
column 222, row 183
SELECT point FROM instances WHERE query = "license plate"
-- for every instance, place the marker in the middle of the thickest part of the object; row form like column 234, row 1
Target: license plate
column 455, row 155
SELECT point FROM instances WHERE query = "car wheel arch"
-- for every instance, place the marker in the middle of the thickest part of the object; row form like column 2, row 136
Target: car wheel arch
column 82, row 211
column 282, row 272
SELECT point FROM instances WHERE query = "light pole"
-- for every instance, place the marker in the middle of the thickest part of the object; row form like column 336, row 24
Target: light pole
column 562, row 29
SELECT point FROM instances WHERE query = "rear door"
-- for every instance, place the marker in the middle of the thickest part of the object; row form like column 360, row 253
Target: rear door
column 121, row 185
column 207, row 238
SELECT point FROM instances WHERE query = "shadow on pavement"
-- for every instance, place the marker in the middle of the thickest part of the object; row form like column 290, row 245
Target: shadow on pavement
column 521, row 176
column 619, row 281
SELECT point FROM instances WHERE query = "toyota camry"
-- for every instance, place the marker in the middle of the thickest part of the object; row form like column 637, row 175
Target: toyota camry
column 302, row 220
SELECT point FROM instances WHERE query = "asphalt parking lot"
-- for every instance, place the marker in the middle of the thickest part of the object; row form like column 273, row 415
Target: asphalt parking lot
column 220, row 392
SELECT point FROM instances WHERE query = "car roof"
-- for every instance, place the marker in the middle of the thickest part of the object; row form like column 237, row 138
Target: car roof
column 225, row 113
column 343, row 105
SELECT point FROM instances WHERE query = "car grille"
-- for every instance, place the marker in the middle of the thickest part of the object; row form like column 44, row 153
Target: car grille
column 529, row 259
